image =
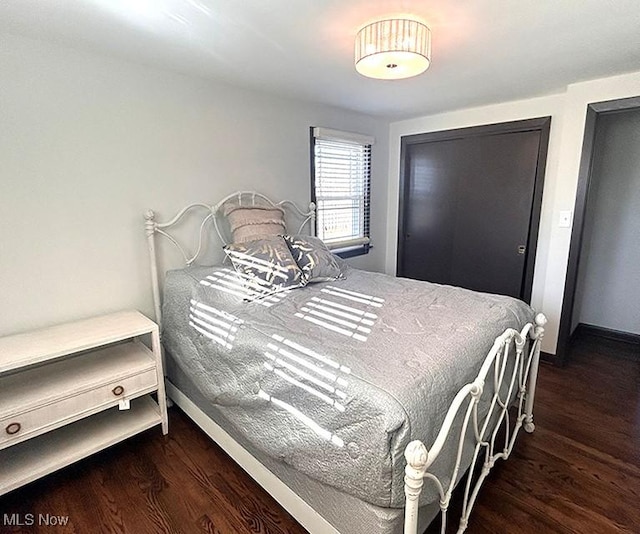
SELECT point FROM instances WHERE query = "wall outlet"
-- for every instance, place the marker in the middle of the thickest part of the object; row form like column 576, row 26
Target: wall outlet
column 565, row 219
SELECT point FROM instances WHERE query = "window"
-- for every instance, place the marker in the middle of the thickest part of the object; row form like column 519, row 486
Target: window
column 340, row 184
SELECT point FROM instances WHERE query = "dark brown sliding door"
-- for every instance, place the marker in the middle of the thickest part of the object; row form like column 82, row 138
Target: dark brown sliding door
column 470, row 206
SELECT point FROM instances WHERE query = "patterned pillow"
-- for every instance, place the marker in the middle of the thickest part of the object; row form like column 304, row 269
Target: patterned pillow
column 266, row 262
column 249, row 224
column 317, row 262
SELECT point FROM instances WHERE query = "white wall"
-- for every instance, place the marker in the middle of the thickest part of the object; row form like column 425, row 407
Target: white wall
column 88, row 143
column 608, row 288
column 568, row 112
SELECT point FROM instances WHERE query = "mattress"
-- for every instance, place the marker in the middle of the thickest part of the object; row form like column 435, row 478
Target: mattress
column 336, row 378
column 348, row 514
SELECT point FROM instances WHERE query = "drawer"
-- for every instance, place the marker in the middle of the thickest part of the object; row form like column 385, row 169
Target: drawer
column 53, row 415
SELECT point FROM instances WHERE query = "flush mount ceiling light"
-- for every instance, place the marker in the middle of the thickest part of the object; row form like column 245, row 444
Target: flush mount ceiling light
column 393, row 49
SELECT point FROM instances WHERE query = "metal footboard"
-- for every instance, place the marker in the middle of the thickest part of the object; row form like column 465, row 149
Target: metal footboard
column 506, row 379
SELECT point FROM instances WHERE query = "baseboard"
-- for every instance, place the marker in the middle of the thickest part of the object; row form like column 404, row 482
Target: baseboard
column 547, row 357
column 606, row 333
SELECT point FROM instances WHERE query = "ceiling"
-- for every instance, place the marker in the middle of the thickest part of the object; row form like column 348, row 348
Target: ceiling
column 483, row 51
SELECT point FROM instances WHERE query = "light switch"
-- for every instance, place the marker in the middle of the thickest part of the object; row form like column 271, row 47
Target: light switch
column 565, row 219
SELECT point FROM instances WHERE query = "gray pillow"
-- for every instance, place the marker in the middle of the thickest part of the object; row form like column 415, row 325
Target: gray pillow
column 315, row 260
column 267, row 262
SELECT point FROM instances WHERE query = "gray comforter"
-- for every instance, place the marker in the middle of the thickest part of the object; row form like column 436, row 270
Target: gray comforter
column 336, row 378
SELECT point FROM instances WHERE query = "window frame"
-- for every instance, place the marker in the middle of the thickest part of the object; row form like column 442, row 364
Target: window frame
column 344, row 251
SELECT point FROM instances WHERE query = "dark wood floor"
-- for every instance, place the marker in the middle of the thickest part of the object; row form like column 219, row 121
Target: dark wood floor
column 578, row 473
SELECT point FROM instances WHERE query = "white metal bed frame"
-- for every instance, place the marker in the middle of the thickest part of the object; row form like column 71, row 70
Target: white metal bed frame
column 507, row 378
column 211, row 215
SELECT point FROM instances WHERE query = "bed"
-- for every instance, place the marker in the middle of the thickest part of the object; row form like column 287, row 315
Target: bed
column 358, row 400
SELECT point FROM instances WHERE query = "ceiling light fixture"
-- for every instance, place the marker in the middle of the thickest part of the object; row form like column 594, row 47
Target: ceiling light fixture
column 393, row 49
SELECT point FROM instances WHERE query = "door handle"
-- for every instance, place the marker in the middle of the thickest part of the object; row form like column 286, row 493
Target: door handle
column 522, row 249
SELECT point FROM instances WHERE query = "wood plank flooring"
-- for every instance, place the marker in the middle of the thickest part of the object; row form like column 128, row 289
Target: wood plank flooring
column 578, row 473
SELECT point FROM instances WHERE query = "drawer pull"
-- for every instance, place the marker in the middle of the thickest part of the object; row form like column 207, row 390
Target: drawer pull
column 13, row 428
column 117, row 391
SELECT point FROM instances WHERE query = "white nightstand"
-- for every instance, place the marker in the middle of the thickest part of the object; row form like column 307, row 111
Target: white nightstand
column 62, row 390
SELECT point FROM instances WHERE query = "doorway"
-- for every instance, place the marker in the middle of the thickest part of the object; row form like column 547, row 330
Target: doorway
column 598, row 211
column 470, row 203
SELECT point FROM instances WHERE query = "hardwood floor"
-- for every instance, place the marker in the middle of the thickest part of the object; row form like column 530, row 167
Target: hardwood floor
column 579, row 472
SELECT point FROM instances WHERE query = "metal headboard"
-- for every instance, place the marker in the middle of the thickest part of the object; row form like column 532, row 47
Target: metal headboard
column 214, row 213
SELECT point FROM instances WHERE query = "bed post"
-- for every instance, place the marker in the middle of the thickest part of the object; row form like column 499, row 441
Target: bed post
column 417, row 456
column 150, row 227
column 312, row 218
column 540, row 321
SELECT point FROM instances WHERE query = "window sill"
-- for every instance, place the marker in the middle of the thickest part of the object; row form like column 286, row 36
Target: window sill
column 350, row 252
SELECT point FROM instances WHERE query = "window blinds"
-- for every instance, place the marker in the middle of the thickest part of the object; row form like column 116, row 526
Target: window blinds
column 342, row 181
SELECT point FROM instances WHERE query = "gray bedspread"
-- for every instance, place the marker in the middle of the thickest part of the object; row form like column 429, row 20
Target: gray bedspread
column 336, row 378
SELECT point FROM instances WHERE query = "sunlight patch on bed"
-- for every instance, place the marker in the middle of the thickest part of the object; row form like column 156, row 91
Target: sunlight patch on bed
column 271, row 269
column 217, row 325
column 241, row 285
column 346, row 320
column 303, row 418
column 304, row 350
column 354, row 296
column 328, row 375
column 341, row 310
column 301, row 385
column 327, row 386
column 310, row 373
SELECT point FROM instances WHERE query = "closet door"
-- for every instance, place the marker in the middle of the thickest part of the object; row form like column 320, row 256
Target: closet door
column 470, row 203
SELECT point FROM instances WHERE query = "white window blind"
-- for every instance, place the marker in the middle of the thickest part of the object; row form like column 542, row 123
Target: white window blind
column 341, row 182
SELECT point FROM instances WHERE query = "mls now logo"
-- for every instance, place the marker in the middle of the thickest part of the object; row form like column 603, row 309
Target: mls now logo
column 27, row 520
